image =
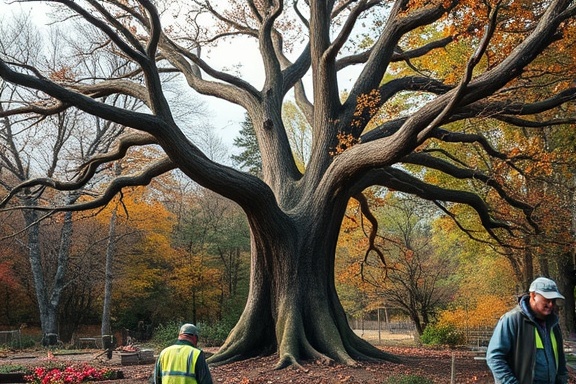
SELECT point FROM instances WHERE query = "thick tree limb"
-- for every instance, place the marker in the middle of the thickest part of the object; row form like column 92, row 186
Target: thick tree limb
column 398, row 55
column 541, row 37
column 126, row 142
column 141, row 121
column 114, row 187
column 271, row 62
column 236, row 92
column 48, row 108
column 492, row 80
column 465, row 230
column 499, row 110
column 385, row 93
column 294, row 73
column 425, row 160
column 517, row 107
column 87, row 170
column 98, row 90
column 383, row 49
column 134, row 50
column 461, row 89
column 512, row 120
column 346, row 30
column 401, row 181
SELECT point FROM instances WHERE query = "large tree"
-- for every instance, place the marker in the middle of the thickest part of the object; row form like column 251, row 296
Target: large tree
column 295, row 216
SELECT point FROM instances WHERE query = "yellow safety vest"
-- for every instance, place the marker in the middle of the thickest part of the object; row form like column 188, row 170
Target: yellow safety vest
column 540, row 345
column 178, row 364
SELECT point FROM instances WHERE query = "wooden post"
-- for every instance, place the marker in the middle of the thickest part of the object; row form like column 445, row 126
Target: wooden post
column 452, row 370
column 379, row 328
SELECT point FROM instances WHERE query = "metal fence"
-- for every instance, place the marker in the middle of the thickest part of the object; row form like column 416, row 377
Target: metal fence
column 403, row 327
column 475, row 337
column 478, row 337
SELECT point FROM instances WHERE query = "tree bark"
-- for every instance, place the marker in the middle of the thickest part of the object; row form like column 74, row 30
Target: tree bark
column 48, row 300
column 293, row 307
column 48, row 314
column 106, row 328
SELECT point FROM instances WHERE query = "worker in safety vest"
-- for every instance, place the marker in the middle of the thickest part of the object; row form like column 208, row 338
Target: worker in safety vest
column 526, row 346
column 183, row 362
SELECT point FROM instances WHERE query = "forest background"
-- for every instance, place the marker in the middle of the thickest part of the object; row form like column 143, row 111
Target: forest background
column 174, row 251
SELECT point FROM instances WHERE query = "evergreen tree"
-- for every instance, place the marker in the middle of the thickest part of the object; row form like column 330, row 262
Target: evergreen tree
column 249, row 159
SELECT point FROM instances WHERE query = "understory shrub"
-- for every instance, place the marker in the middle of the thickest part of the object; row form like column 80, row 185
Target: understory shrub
column 165, row 334
column 12, row 368
column 27, row 341
column 24, row 341
column 212, row 334
column 442, row 335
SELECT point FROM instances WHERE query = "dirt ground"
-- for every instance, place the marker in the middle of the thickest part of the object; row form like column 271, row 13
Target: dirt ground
column 443, row 366
column 432, row 364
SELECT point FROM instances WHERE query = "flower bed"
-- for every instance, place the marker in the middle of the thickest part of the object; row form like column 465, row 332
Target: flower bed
column 61, row 374
column 73, row 374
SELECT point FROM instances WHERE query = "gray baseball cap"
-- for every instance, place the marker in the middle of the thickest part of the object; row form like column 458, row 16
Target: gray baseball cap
column 546, row 288
column 189, row 329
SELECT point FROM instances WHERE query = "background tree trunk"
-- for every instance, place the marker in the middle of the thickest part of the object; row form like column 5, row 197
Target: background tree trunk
column 106, row 328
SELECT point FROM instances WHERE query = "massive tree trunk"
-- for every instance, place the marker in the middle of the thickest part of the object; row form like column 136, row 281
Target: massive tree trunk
column 293, row 307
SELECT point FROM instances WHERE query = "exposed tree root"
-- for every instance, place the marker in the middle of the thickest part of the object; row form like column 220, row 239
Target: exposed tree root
column 360, row 349
column 356, row 349
column 287, row 361
column 223, row 361
column 301, row 319
column 236, row 352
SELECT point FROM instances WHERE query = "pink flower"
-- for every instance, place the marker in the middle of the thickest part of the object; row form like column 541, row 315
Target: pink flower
column 69, row 375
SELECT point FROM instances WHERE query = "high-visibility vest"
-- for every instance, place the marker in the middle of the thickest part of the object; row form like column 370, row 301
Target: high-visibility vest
column 540, row 345
column 178, row 364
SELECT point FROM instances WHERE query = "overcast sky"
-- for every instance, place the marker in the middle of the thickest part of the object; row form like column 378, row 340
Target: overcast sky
column 223, row 116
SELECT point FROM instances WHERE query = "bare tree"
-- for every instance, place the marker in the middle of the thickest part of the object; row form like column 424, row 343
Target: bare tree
column 415, row 278
column 33, row 145
column 295, row 216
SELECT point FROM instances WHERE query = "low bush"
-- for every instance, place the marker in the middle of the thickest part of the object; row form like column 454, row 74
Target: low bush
column 12, row 368
column 437, row 335
column 165, row 335
column 212, row 334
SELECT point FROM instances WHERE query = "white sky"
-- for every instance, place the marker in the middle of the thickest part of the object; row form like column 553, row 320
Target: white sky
column 224, row 117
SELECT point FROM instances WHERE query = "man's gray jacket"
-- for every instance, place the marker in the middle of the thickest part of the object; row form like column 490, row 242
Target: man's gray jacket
column 512, row 352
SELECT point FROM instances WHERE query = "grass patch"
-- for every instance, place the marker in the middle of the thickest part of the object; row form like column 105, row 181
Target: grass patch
column 408, row 379
column 12, row 368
